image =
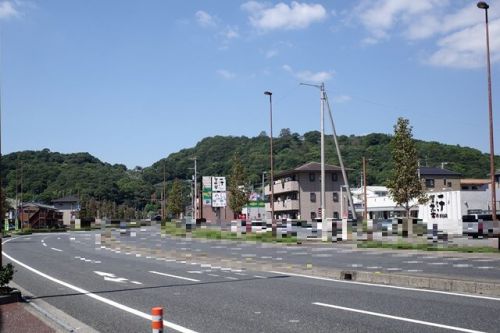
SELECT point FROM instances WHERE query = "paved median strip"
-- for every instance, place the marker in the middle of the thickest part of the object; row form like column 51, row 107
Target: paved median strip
column 421, row 322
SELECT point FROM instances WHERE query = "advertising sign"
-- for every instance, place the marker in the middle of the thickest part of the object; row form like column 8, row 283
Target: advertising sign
column 207, row 190
column 219, row 199
column 218, row 184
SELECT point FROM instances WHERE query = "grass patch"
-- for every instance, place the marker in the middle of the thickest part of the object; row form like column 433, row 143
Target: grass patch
column 425, row 247
column 267, row 237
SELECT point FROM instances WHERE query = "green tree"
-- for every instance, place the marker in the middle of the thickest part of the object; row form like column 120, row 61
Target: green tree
column 174, row 204
column 237, row 182
column 404, row 185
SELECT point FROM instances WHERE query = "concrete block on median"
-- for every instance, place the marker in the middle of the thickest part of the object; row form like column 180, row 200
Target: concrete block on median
column 380, row 278
column 440, row 284
column 418, row 282
column 398, row 280
column 464, row 286
column 488, row 288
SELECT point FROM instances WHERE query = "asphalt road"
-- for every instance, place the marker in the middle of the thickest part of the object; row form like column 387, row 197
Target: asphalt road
column 113, row 290
column 480, row 266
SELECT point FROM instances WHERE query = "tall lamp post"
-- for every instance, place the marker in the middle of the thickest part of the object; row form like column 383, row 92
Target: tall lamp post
column 485, row 6
column 271, row 181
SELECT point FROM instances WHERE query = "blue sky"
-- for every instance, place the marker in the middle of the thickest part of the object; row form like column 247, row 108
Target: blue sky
column 133, row 81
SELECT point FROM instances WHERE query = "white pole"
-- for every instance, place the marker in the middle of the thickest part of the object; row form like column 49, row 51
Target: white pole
column 341, row 203
column 195, row 192
column 324, row 234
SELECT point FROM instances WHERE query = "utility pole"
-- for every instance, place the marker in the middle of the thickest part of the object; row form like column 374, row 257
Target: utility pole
column 365, row 214
column 195, row 190
column 324, row 234
column 163, row 196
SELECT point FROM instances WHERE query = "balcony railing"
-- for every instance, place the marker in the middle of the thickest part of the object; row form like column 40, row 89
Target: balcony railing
column 282, row 187
column 284, row 205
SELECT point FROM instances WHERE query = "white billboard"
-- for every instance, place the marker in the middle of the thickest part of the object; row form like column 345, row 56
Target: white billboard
column 218, row 184
column 219, row 199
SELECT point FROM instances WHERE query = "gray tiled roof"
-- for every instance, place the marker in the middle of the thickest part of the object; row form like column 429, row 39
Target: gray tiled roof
column 429, row 171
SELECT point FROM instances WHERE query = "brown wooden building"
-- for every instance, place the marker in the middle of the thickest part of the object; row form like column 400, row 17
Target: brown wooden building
column 40, row 216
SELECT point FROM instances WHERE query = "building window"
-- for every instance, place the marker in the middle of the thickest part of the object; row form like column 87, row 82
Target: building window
column 335, row 197
column 312, row 176
column 444, row 182
column 312, row 195
column 313, row 215
column 449, row 184
column 429, row 183
column 335, row 215
column 335, row 177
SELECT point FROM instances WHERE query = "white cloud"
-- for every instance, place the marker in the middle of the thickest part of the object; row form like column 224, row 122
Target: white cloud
column 467, row 47
column 282, row 16
column 205, row 19
column 225, row 74
column 308, row 76
column 456, row 28
column 8, row 9
column 230, row 33
column 380, row 16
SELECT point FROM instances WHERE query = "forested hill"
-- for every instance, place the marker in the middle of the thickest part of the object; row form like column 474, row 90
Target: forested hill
column 292, row 149
column 48, row 175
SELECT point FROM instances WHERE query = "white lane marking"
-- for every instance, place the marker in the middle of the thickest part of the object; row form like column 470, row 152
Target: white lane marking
column 231, row 278
column 115, row 279
column 394, row 269
column 175, row 276
column 373, row 267
column 462, row 265
column 44, row 244
column 413, row 262
column 135, row 282
column 213, row 275
column 421, row 322
column 259, row 277
column 99, row 298
column 194, row 272
column 104, row 274
column 53, row 248
column 386, row 286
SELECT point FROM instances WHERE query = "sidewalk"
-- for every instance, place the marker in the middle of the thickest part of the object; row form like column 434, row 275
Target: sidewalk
column 18, row 317
column 37, row 316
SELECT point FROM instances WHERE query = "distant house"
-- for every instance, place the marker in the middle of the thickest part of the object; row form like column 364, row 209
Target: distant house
column 437, row 179
column 38, row 216
column 297, row 192
column 469, row 184
column 69, row 206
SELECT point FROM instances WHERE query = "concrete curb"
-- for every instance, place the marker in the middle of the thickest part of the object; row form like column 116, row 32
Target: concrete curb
column 410, row 281
column 52, row 316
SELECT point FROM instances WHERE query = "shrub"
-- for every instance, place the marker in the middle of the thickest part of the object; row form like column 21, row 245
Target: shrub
column 6, row 274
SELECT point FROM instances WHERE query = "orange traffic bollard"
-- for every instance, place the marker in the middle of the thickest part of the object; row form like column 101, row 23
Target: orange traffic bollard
column 157, row 319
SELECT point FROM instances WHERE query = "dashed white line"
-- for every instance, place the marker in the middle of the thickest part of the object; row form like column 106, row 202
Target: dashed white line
column 58, row 250
column 174, row 276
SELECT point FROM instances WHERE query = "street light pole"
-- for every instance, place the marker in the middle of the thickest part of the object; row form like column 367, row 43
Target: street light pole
column 485, row 6
column 271, row 181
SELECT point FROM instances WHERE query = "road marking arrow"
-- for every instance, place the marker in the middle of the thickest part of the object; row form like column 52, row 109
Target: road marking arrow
column 115, row 279
column 105, row 274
